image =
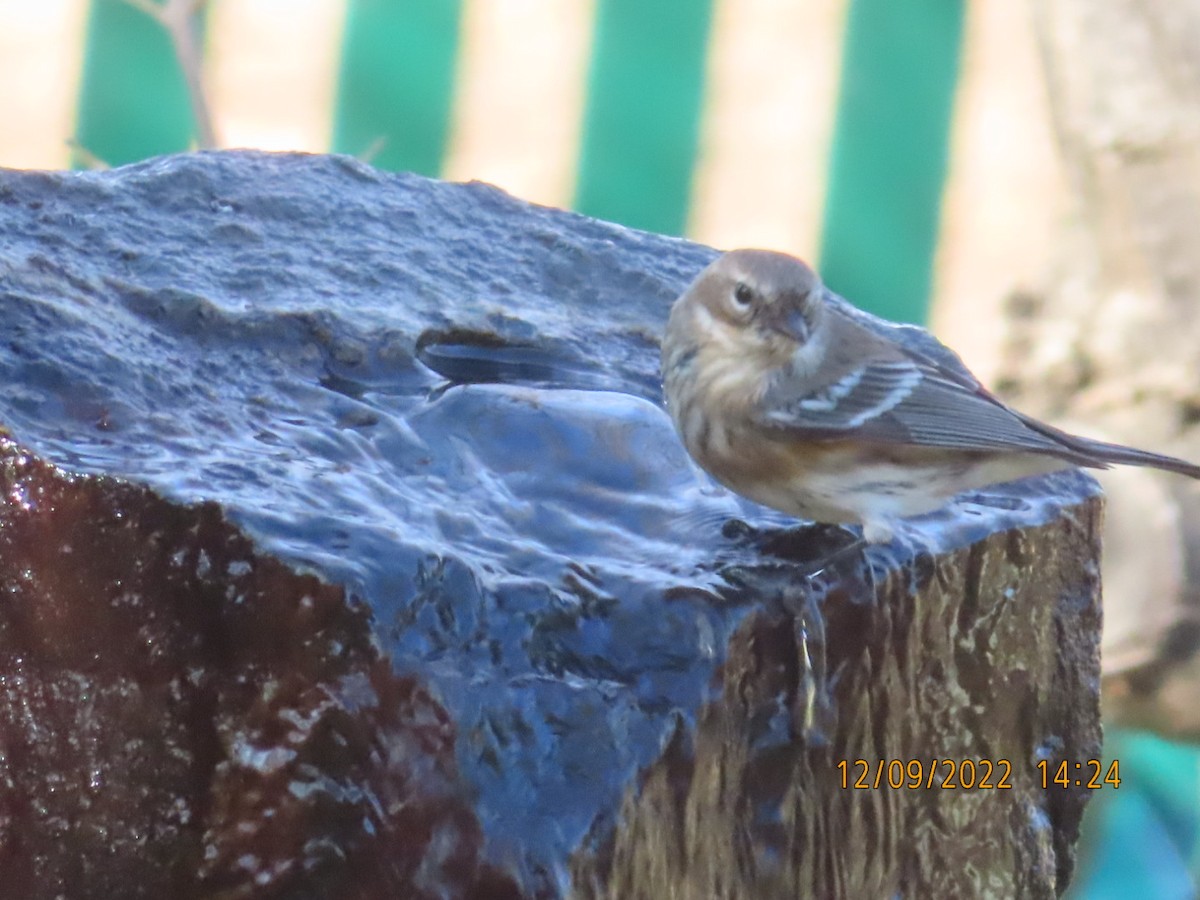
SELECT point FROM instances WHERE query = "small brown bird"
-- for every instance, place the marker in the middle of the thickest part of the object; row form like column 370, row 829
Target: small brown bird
column 789, row 396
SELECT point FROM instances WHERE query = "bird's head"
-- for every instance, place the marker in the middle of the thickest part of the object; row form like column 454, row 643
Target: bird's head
column 754, row 305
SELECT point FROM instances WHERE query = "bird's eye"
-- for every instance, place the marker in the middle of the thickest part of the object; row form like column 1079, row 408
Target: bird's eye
column 742, row 294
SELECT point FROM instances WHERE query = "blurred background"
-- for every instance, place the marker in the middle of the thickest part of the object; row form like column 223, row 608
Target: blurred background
column 909, row 148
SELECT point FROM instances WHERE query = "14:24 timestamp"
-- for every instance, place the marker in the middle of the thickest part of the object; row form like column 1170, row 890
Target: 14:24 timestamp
column 1086, row 774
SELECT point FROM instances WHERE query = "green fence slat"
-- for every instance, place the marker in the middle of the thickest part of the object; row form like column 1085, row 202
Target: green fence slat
column 890, row 146
column 133, row 102
column 642, row 117
column 396, row 82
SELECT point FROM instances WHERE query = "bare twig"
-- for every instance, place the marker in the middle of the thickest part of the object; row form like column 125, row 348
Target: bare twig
column 178, row 17
column 373, row 149
column 85, row 156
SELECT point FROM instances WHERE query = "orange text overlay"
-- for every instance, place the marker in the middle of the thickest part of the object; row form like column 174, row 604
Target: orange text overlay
column 946, row 774
column 972, row 774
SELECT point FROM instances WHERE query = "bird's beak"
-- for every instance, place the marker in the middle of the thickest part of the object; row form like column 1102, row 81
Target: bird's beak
column 792, row 324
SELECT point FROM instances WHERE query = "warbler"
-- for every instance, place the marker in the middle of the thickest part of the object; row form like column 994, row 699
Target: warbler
column 791, row 397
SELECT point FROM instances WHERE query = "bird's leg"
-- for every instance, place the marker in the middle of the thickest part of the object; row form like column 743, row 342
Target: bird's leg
column 857, row 545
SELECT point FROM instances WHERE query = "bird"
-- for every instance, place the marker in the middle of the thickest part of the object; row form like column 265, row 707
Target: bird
column 790, row 396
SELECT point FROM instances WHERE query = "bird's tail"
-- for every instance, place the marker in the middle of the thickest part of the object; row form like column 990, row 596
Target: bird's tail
column 1131, row 456
column 1102, row 454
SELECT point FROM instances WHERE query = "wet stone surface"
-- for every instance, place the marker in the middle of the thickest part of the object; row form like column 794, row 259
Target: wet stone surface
column 349, row 496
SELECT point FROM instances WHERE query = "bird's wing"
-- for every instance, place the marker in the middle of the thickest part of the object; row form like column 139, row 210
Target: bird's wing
column 911, row 399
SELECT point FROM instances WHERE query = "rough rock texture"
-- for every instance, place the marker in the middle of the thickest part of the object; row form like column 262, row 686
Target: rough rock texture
column 742, row 808
column 1112, row 344
column 181, row 714
column 288, row 614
